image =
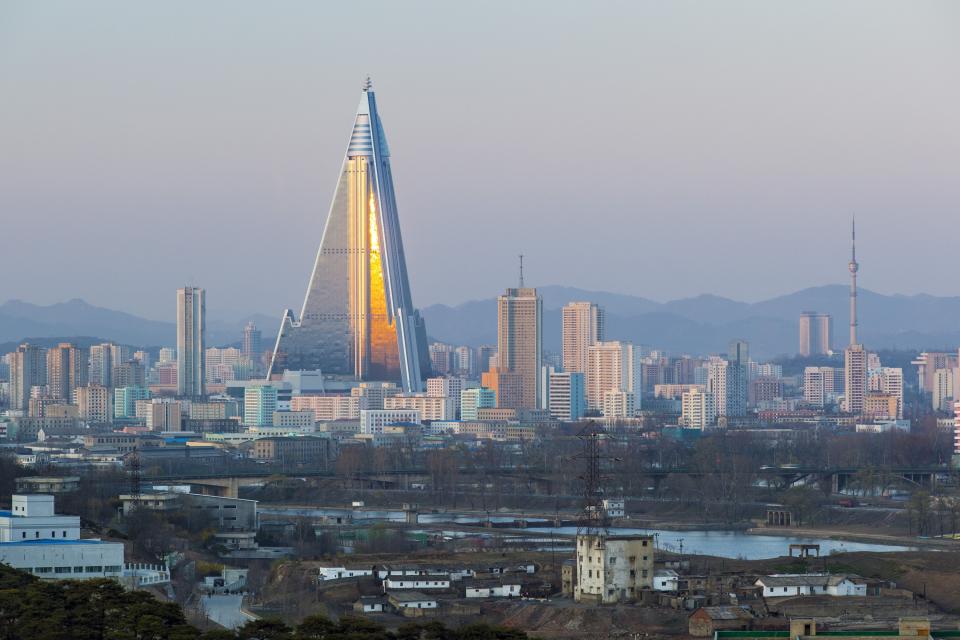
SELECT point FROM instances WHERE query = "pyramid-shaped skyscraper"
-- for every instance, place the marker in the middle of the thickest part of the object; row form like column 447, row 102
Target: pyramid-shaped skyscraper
column 358, row 321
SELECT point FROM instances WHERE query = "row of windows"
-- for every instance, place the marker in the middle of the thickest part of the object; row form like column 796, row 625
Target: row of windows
column 36, row 534
column 89, row 569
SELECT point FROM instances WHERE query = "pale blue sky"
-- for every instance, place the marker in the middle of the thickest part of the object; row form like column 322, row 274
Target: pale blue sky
column 657, row 148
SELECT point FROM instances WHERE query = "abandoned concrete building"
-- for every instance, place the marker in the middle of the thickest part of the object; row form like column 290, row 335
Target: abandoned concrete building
column 613, row 568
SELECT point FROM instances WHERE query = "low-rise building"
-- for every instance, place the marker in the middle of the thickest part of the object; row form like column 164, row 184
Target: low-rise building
column 790, row 585
column 416, row 582
column 706, row 621
column 293, row 449
column 43, row 484
column 404, row 600
column 35, row 539
column 665, row 580
column 480, row 588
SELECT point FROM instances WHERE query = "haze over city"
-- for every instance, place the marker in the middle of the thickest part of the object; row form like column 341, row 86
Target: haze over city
column 655, row 149
column 492, row 321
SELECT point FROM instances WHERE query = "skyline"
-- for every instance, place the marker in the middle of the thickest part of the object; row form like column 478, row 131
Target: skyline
column 235, row 140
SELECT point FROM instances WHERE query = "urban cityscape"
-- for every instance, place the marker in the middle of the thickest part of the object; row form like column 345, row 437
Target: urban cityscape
column 551, row 462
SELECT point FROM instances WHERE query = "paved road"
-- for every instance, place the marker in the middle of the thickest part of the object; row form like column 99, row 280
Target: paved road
column 225, row 610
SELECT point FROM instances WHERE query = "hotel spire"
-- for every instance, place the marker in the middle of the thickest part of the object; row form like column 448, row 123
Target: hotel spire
column 854, row 267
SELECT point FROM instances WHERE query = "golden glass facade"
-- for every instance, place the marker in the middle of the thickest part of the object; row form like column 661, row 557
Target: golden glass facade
column 358, row 320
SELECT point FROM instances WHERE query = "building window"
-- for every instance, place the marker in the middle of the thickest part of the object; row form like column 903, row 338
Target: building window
column 613, row 561
column 62, row 570
column 64, row 534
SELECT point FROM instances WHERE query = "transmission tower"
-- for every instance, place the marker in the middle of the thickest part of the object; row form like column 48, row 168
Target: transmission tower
column 594, row 520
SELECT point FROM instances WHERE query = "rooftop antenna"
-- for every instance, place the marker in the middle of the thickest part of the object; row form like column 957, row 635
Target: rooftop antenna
column 521, row 270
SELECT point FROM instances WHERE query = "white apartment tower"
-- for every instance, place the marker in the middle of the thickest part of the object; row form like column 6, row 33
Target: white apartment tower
column 697, row 409
column 612, row 366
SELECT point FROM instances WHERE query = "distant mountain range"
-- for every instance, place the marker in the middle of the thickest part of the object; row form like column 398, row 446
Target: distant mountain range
column 702, row 324
column 705, row 323
column 20, row 320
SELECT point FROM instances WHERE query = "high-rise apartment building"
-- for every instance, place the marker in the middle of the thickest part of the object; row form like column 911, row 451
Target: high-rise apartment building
column 718, row 371
column 374, row 393
column 101, row 365
column 583, row 326
column 612, row 366
column 472, row 400
column 927, row 364
column 854, row 378
column 942, row 397
column 94, row 403
column 191, row 338
column 485, row 356
column 814, row 387
column 129, row 374
column 816, row 333
column 125, row 401
column 568, row 397
column 358, row 320
column 221, row 365
column 28, row 369
column 442, row 358
column 507, row 386
column 697, row 409
column 738, row 355
column 259, row 403
column 519, row 340
column 889, row 381
column 66, row 370
column 252, row 341
column 445, row 387
column 466, row 362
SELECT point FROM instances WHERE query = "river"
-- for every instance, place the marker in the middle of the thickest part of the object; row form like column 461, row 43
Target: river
column 734, row 544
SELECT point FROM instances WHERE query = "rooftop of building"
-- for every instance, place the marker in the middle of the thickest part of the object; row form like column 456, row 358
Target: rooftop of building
column 54, row 542
column 409, row 596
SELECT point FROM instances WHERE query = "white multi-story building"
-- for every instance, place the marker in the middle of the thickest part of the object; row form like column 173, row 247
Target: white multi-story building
column 472, row 400
column 942, row 396
column 430, row 407
column 566, row 395
column 889, row 381
column 372, row 421
column 697, row 409
column 374, row 393
column 612, row 366
column 445, row 387
column 583, row 327
column 330, row 407
column 220, row 364
column 854, row 378
column 259, row 404
column 35, row 539
column 619, row 404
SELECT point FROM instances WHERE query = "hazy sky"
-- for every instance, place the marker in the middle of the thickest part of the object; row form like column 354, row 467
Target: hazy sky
column 657, row 148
